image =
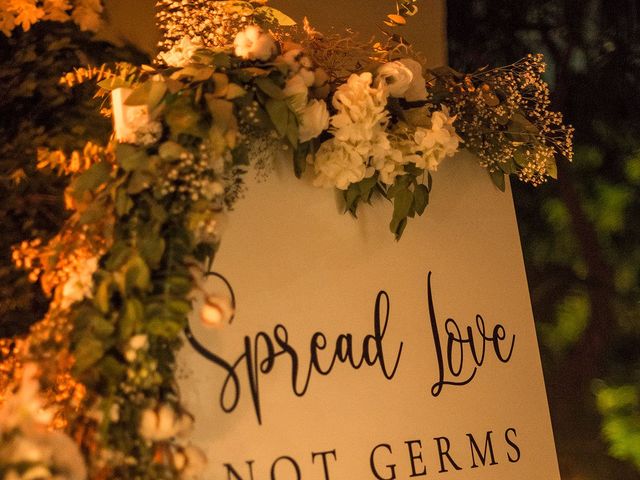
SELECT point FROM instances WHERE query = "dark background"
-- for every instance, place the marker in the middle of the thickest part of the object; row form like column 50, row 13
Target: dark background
column 581, row 234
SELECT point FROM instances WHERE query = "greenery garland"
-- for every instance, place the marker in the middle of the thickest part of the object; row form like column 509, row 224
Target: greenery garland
column 146, row 209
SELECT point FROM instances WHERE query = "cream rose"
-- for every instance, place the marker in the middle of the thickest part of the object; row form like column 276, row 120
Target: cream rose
column 396, row 77
column 313, row 119
column 254, row 44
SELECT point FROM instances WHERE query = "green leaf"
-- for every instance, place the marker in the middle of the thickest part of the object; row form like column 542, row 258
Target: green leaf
column 113, row 83
column 279, row 115
column 366, row 187
column 402, row 203
column 132, row 317
column 351, row 197
column 124, row 204
column 101, row 327
column 300, row 158
column 197, row 73
column 119, row 254
column 235, row 91
column 137, row 274
column 87, row 353
column 90, row 180
column 170, row 150
column 150, row 93
column 179, row 306
column 102, row 296
column 292, row 130
column 182, row 118
column 140, row 180
column 221, row 111
column 269, row 87
column 151, row 249
column 498, row 180
column 275, row 16
column 421, row 198
column 131, row 157
column 397, row 227
column 166, row 327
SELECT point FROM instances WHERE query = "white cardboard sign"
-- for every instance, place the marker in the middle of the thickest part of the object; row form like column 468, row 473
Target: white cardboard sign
column 356, row 357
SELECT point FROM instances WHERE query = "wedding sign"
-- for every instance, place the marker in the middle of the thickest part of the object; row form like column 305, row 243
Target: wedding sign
column 353, row 356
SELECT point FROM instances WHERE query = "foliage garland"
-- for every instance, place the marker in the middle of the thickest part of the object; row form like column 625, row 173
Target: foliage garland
column 146, row 209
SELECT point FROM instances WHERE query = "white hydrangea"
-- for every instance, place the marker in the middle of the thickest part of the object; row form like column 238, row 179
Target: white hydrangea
column 360, row 139
column 436, row 143
column 339, row 164
column 180, row 54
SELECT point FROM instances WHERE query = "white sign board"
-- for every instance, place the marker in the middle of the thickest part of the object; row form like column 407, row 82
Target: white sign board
column 356, row 357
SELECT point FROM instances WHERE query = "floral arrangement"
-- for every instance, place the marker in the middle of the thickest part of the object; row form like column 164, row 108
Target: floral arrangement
column 24, row 13
column 235, row 83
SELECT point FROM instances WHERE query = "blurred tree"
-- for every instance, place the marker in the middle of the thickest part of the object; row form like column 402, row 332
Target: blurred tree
column 581, row 235
column 37, row 111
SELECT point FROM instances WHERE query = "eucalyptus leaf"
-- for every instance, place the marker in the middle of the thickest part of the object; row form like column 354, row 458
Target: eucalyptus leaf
column 132, row 317
column 269, row 87
column 131, row 157
column 137, row 274
column 91, row 179
column 275, row 16
column 87, row 353
column 279, row 115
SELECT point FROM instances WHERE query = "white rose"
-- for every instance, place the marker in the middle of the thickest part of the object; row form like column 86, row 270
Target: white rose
column 396, row 77
column 254, row 44
column 417, row 91
column 314, row 119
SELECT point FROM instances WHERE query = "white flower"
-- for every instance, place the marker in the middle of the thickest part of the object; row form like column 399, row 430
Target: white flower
column 436, row 143
column 216, row 311
column 180, row 54
column 338, row 164
column 359, row 130
column 32, row 441
column 163, row 423
column 296, row 91
column 79, row 282
column 313, row 120
column 254, row 44
column 417, row 91
column 189, row 462
column 295, row 60
column 396, row 77
column 136, row 343
column 389, row 166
